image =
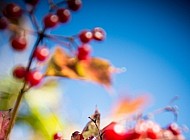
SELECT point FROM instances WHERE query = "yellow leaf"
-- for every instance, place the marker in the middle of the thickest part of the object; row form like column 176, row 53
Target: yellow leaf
column 96, row 69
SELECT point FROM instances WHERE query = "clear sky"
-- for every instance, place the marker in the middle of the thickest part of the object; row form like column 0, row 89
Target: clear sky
column 150, row 38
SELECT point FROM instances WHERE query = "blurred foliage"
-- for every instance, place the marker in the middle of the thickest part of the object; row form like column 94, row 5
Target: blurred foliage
column 36, row 108
column 96, row 69
column 8, row 92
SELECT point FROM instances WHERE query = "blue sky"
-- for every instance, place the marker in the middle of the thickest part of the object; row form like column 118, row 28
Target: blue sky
column 149, row 38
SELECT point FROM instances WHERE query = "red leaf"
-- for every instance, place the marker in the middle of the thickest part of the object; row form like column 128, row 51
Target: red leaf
column 4, row 122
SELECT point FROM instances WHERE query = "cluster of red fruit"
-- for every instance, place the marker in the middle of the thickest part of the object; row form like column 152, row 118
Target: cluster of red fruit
column 18, row 41
column 85, row 37
column 143, row 130
column 12, row 11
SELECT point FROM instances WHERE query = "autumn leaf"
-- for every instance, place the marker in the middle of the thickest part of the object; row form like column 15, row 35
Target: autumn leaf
column 4, row 122
column 127, row 105
column 96, row 69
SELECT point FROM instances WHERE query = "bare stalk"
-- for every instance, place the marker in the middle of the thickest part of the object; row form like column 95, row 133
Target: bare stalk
column 23, row 89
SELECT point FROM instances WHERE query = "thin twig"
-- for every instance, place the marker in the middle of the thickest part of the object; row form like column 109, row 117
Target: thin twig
column 52, row 5
column 23, row 89
column 55, row 39
column 68, row 38
column 94, row 121
column 34, row 21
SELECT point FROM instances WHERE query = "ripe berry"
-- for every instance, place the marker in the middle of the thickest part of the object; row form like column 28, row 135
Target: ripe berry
column 64, row 15
column 98, row 34
column 41, row 53
column 114, row 131
column 19, row 43
column 152, row 134
column 19, row 72
column 85, row 36
column 50, row 20
column 32, row 2
column 57, row 136
column 174, row 128
column 131, row 135
column 74, row 4
column 84, row 52
column 34, row 78
column 12, row 10
column 3, row 23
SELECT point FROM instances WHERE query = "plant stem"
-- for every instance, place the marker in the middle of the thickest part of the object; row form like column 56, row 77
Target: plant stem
column 23, row 89
column 94, row 121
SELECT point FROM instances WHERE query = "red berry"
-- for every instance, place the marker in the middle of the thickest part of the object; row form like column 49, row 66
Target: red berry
column 57, row 136
column 84, row 52
column 12, row 10
column 32, row 2
column 19, row 72
column 3, row 23
column 63, row 14
column 41, row 53
column 19, row 43
column 85, row 36
column 98, row 34
column 174, row 128
column 114, row 131
column 50, row 20
column 74, row 4
column 152, row 134
column 132, row 135
column 34, row 78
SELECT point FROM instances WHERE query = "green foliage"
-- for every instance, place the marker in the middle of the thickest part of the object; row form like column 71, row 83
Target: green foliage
column 37, row 103
column 8, row 92
column 40, row 116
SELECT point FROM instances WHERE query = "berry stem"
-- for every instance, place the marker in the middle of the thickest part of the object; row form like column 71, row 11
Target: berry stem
column 94, row 121
column 23, row 89
column 33, row 18
column 55, row 39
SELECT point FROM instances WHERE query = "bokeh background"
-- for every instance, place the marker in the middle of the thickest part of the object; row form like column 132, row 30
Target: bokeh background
column 150, row 39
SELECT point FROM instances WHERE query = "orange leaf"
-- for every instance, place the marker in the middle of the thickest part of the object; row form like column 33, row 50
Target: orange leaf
column 127, row 105
column 96, row 69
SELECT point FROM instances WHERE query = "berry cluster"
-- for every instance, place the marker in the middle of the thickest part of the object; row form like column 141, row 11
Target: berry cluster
column 85, row 37
column 11, row 20
column 62, row 15
column 135, row 128
column 18, row 40
column 143, row 129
